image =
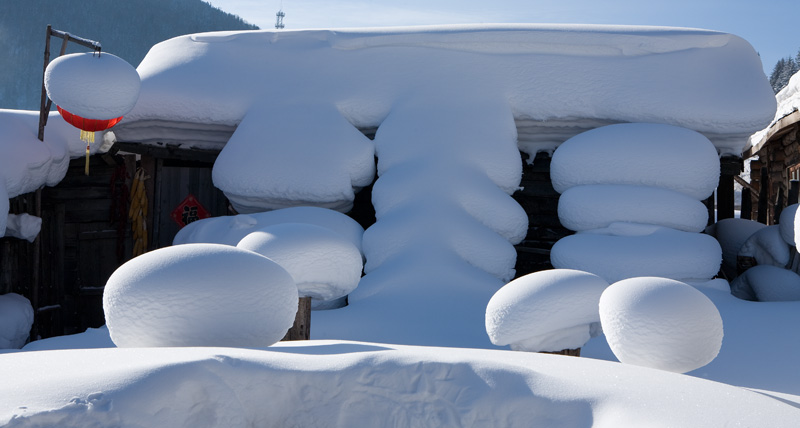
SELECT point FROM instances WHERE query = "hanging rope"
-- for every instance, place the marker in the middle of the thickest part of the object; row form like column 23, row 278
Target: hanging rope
column 138, row 213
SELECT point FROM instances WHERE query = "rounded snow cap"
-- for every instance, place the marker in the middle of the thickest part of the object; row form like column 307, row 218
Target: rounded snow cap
column 660, row 323
column 324, row 264
column 545, row 311
column 199, row 295
column 92, row 85
column 642, row 154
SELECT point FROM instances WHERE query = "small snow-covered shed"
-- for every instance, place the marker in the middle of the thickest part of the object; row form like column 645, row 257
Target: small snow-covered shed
column 774, row 154
column 453, row 119
column 250, row 94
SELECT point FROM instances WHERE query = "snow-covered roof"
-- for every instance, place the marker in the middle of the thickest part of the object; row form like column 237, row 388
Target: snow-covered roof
column 557, row 79
column 788, row 100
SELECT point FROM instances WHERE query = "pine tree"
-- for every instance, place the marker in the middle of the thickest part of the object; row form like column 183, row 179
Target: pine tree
column 784, row 69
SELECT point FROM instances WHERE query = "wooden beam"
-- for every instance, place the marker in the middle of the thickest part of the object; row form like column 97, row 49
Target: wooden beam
column 168, row 152
column 777, row 129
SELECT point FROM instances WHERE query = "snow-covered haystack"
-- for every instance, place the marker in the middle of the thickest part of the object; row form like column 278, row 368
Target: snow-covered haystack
column 633, row 193
column 442, row 205
column 660, row 323
column 16, row 319
column 199, row 295
column 324, row 265
column 291, row 155
column 547, row 311
column 766, row 283
column 229, row 230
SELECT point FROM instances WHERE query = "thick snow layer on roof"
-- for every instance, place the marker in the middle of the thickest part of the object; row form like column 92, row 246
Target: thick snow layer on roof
column 704, row 80
column 788, row 100
column 345, row 384
column 26, row 163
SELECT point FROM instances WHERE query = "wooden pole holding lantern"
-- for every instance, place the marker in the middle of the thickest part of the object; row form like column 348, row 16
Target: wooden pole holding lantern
column 44, row 109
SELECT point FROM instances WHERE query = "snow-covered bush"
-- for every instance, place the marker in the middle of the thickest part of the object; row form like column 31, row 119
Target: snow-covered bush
column 732, row 233
column 16, row 319
column 230, row 230
column 199, row 295
column 660, row 323
column 324, row 265
column 766, row 283
column 548, row 310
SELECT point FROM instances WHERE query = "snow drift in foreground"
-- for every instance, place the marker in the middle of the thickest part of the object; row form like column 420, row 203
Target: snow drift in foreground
column 346, row 384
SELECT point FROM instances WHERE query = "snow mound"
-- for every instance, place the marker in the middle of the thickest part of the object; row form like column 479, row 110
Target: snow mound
column 548, row 310
column 277, row 159
column 660, row 323
column 596, row 206
column 732, row 233
column 22, row 226
column 346, row 384
column 324, row 265
column 660, row 252
column 16, row 319
column 766, row 247
column 199, row 295
column 229, row 230
column 786, row 223
column 641, row 154
column 93, row 86
column 765, row 283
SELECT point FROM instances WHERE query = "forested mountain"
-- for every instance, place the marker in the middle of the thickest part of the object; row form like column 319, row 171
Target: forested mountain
column 784, row 69
column 126, row 28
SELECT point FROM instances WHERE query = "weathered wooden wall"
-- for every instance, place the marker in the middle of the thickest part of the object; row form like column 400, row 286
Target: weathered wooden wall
column 773, row 184
column 540, row 202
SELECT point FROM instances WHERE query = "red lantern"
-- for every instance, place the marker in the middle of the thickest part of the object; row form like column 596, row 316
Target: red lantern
column 87, row 126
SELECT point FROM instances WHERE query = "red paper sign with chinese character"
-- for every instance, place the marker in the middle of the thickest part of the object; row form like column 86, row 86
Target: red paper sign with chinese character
column 188, row 211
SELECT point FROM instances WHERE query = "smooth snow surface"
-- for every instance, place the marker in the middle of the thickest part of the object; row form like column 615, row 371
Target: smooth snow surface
column 557, row 79
column 657, row 251
column 93, row 86
column 284, row 155
column 199, row 295
column 596, row 206
column 765, row 283
column 229, row 230
column 346, row 384
column 324, row 264
column 16, row 319
column 660, row 323
column 641, row 154
column 549, row 310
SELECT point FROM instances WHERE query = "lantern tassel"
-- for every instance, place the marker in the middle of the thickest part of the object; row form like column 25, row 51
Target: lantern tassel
column 87, row 136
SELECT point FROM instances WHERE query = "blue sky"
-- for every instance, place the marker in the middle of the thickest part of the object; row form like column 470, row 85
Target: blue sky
column 771, row 26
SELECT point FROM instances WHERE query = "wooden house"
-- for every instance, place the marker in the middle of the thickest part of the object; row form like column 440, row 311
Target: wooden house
column 774, row 171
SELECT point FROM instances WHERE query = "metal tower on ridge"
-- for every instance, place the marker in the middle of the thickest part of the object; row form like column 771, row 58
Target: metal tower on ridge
column 279, row 19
